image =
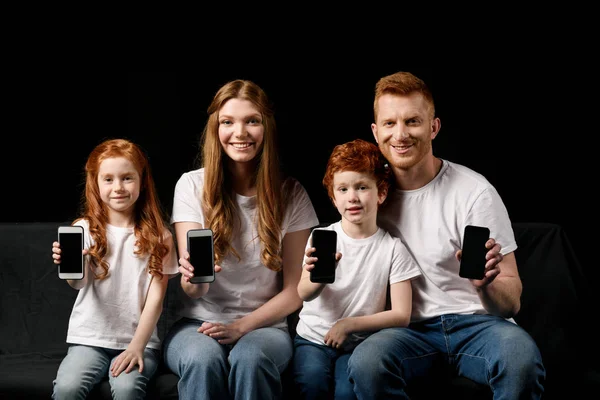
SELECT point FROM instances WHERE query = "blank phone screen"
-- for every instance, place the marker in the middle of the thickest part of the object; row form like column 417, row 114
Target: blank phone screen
column 325, row 244
column 70, row 256
column 472, row 264
column 201, row 255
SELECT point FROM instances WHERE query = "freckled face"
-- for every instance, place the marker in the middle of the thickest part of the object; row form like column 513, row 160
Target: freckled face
column 119, row 184
column 241, row 130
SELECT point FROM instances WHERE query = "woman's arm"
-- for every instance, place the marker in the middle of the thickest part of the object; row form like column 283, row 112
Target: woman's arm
column 287, row 301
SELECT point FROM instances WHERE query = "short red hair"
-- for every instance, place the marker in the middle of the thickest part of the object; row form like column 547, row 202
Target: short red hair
column 358, row 156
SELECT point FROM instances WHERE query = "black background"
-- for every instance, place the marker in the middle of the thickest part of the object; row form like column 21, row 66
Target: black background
column 520, row 122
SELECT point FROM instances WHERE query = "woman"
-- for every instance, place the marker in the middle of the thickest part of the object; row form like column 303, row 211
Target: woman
column 232, row 339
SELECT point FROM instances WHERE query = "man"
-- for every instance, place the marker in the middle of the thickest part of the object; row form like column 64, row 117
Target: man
column 458, row 323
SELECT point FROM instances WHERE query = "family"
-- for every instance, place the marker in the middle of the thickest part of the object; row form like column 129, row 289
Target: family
column 397, row 311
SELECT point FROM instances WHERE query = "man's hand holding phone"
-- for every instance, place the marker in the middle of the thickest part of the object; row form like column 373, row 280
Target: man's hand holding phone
column 480, row 256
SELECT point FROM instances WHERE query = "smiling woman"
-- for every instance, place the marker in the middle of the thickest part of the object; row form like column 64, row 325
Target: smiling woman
column 241, row 132
column 236, row 332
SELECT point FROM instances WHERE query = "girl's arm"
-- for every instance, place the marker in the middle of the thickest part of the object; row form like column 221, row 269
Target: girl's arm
column 134, row 354
column 287, row 301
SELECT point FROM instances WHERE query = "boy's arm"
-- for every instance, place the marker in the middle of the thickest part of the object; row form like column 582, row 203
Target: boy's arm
column 308, row 290
column 398, row 316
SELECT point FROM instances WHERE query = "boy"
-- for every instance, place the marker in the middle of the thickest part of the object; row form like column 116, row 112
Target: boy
column 337, row 316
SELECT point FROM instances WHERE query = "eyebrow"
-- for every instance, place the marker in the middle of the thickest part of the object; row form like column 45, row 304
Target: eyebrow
column 255, row 115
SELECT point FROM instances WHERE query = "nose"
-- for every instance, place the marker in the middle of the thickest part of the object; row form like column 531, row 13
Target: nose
column 240, row 131
column 400, row 133
column 352, row 196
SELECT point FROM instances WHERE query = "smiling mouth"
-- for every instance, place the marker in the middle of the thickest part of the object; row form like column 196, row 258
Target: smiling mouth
column 241, row 145
column 402, row 147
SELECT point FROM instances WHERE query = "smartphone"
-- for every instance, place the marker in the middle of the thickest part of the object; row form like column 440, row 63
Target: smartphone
column 71, row 257
column 325, row 244
column 200, row 246
column 472, row 262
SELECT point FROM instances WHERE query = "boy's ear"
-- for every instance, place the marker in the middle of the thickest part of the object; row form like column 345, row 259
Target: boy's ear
column 382, row 196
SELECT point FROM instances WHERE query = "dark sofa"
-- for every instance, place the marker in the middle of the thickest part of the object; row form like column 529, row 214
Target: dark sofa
column 35, row 307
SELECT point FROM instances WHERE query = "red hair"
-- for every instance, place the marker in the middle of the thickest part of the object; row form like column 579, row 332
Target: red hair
column 402, row 84
column 149, row 219
column 358, row 156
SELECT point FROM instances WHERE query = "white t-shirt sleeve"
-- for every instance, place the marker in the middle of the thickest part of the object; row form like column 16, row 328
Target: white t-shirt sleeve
column 403, row 265
column 489, row 210
column 187, row 198
column 301, row 212
column 170, row 261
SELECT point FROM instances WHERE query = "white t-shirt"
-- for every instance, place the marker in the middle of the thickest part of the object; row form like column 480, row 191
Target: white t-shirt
column 242, row 286
column 368, row 266
column 431, row 221
column 106, row 312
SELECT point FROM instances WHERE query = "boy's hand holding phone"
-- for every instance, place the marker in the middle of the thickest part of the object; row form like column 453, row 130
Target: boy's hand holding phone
column 321, row 259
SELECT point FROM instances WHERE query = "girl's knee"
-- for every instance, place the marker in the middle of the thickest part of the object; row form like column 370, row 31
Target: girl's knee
column 129, row 387
column 68, row 390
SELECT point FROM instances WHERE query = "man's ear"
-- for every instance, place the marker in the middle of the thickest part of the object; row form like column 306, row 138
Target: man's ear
column 436, row 125
column 374, row 130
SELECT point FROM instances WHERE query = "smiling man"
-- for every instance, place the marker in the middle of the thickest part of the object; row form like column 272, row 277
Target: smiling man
column 458, row 323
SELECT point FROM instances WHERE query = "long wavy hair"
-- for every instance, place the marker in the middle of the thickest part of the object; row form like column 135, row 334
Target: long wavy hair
column 149, row 217
column 218, row 198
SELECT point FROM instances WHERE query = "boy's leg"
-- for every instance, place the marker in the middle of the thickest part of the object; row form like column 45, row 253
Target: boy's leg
column 344, row 387
column 313, row 369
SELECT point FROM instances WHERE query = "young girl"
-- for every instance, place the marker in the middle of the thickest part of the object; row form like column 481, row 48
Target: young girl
column 129, row 256
column 337, row 316
column 232, row 339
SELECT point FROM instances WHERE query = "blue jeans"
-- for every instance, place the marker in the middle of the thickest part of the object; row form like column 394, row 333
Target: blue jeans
column 250, row 369
column 85, row 366
column 484, row 348
column 320, row 371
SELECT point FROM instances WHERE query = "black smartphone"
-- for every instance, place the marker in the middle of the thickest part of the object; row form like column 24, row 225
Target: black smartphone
column 71, row 257
column 325, row 244
column 200, row 246
column 472, row 262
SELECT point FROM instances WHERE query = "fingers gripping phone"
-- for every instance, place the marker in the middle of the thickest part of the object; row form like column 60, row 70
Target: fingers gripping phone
column 71, row 255
column 200, row 247
column 472, row 262
column 325, row 244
